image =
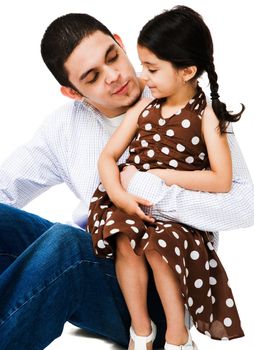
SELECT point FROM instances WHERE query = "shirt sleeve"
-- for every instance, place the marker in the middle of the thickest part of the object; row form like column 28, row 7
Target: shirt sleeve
column 29, row 171
column 202, row 210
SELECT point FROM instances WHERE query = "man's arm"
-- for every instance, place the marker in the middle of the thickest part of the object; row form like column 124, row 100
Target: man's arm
column 28, row 172
column 206, row 211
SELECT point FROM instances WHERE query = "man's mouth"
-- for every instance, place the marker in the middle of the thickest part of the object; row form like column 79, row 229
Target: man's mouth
column 121, row 90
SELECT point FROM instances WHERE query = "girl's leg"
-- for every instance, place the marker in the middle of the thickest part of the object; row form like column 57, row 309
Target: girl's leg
column 171, row 298
column 132, row 275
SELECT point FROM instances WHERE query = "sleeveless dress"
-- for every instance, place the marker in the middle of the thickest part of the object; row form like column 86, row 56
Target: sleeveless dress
column 176, row 143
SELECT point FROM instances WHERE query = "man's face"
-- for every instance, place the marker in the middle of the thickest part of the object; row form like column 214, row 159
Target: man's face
column 100, row 70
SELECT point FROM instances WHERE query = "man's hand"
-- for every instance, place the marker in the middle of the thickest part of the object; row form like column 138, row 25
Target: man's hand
column 126, row 174
column 130, row 205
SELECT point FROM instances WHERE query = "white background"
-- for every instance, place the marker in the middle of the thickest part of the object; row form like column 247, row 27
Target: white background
column 29, row 92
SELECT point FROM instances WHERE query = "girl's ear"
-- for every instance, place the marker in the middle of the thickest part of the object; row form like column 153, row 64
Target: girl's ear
column 71, row 93
column 119, row 41
column 189, row 73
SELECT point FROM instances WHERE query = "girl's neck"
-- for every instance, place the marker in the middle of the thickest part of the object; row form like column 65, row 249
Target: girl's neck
column 179, row 99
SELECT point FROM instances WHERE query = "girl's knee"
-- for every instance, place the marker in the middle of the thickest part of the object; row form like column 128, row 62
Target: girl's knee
column 123, row 246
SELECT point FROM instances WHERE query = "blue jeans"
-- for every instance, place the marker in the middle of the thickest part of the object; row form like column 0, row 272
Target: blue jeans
column 49, row 275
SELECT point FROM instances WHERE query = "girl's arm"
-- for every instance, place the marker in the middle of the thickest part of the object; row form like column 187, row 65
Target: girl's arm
column 108, row 169
column 219, row 177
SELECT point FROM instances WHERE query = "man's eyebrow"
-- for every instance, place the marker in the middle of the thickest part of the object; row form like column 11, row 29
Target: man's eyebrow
column 85, row 74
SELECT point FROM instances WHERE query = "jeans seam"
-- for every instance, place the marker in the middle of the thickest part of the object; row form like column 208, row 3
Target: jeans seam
column 3, row 321
column 7, row 254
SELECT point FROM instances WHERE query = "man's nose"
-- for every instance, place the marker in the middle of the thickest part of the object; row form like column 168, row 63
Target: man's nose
column 112, row 75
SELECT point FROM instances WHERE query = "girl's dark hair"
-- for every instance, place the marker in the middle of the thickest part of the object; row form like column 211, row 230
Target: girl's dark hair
column 181, row 37
column 61, row 38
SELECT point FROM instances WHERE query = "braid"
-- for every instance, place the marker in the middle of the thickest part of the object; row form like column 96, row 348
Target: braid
column 220, row 108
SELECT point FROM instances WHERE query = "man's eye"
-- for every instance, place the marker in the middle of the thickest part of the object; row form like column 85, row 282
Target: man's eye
column 94, row 78
column 113, row 59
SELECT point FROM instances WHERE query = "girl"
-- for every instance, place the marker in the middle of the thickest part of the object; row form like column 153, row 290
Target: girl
column 182, row 140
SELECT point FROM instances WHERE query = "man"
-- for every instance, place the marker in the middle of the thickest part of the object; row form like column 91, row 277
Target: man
column 49, row 274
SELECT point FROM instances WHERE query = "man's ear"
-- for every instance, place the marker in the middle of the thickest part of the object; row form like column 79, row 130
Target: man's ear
column 71, row 93
column 119, row 41
column 189, row 73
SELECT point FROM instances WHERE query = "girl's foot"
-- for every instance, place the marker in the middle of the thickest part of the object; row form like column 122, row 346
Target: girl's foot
column 138, row 342
column 189, row 345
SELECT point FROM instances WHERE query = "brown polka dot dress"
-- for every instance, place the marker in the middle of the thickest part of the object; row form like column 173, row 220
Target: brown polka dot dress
column 175, row 143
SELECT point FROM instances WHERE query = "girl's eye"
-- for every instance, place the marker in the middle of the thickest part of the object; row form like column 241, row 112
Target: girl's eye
column 152, row 70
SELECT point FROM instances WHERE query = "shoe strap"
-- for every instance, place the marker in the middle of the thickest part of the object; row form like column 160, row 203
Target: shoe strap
column 141, row 341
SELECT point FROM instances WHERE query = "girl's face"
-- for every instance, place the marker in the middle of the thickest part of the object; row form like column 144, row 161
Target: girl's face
column 160, row 76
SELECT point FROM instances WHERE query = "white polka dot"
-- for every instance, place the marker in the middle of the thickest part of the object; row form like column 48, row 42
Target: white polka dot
column 109, row 214
column 173, row 163
column 201, row 156
column 156, row 137
column 212, row 281
column 110, row 222
column 146, row 166
column 180, row 147
column 159, row 163
column 189, row 160
column 178, row 269
column 210, row 246
column 176, row 235
column 103, row 206
column 213, row 299
column 186, row 272
column 184, row 229
column 150, row 153
column 165, row 150
column 157, row 106
column 148, row 126
column 211, row 318
column 213, row 263
column 102, row 222
column 138, row 137
column 194, row 255
column 195, row 140
column 162, row 243
column 137, row 159
column 230, row 302
column 224, row 338
column 227, row 322
column 144, row 143
column 130, row 222
column 114, row 230
column 185, row 244
column 209, row 293
column 184, row 280
column 101, row 188
column 133, row 244
column 198, row 283
column 197, row 241
column 135, row 229
column 200, row 310
column 94, row 199
column 186, row 123
column 101, row 244
column 145, row 236
column 97, row 223
column 162, row 122
column 177, row 251
column 167, row 225
column 190, row 301
column 191, row 101
column 208, row 334
column 197, row 106
column 207, row 265
column 170, row 132
column 146, row 245
column 145, row 113
column 94, row 217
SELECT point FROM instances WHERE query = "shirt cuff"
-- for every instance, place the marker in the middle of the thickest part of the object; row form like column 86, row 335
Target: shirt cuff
column 147, row 186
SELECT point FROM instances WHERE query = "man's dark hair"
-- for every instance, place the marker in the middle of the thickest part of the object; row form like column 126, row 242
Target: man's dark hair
column 61, row 38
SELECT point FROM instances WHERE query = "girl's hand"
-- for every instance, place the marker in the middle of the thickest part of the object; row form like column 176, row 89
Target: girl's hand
column 130, row 205
column 126, row 175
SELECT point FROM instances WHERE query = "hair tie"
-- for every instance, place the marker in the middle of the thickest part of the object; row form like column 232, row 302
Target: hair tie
column 215, row 95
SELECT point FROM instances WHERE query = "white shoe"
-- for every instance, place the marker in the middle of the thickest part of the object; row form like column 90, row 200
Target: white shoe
column 141, row 341
column 190, row 345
